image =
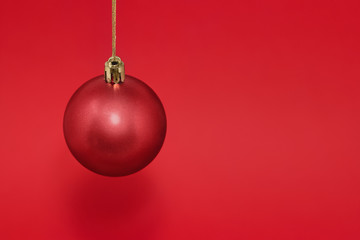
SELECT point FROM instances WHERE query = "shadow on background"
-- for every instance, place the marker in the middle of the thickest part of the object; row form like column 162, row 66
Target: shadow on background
column 114, row 208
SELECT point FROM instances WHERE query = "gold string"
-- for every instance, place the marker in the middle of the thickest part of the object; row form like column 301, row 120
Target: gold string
column 114, row 67
column 113, row 28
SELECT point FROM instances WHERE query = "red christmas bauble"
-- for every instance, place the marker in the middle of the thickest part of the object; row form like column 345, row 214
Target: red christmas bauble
column 114, row 129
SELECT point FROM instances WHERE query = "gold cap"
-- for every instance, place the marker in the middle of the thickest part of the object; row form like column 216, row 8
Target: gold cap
column 114, row 70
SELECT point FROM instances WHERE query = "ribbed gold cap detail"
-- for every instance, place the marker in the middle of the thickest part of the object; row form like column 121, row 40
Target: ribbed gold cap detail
column 114, row 70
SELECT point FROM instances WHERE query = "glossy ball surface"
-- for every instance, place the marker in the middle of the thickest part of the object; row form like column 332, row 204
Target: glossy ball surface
column 114, row 129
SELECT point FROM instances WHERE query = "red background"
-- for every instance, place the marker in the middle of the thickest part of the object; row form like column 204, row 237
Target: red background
column 262, row 100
